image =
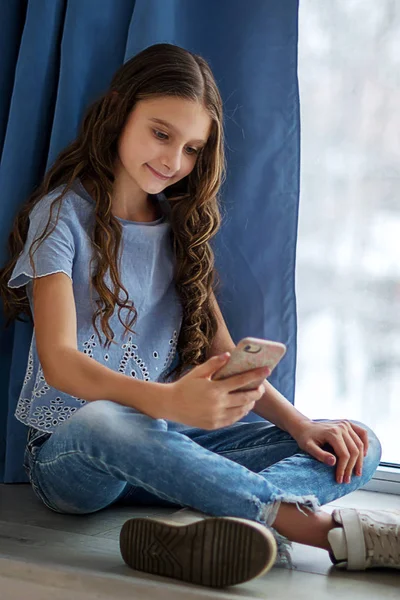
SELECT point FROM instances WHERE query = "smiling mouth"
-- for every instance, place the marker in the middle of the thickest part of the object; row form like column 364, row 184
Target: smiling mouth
column 157, row 174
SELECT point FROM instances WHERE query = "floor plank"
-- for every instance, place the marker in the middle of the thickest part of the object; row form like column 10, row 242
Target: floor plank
column 18, row 504
column 79, row 556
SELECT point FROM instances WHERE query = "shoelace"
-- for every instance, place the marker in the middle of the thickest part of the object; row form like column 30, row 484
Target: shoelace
column 383, row 544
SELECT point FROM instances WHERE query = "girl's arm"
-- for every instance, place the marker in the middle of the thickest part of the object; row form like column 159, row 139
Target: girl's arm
column 71, row 371
column 222, row 341
column 272, row 405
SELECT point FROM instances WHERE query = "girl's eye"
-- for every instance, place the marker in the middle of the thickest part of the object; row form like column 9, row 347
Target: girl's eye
column 156, row 132
column 195, row 151
column 163, row 136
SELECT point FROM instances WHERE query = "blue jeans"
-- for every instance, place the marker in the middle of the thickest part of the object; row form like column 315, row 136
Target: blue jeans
column 109, row 453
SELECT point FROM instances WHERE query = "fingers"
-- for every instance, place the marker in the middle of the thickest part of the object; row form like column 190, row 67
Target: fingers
column 356, row 450
column 243, row 399
column 235, row 414
column 349, row 450
column 234, row 382
column 312, row 448
column 248, row 407
column 362, row 434
column 360, row 458
column 342, row 455
column 357, row 456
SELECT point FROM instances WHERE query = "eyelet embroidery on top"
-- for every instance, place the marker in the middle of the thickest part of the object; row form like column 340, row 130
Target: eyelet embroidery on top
column 173, row 343
column 155, row 355
column 23, row 409
column 41, row 387
column 45, row 418
column 89, row 345
column 130, row 354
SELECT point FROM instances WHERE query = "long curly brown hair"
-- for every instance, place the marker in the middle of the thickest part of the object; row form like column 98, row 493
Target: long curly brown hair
column 195, row 217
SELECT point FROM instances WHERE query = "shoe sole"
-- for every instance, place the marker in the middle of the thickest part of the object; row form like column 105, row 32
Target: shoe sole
column 215, row 551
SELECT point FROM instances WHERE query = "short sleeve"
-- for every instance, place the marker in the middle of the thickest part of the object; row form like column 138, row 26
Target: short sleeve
column 54, row 254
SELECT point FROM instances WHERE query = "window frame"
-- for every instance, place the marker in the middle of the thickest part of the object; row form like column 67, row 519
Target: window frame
column 386, row 480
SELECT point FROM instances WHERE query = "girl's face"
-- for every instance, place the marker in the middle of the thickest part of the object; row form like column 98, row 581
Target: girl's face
column 161, row 140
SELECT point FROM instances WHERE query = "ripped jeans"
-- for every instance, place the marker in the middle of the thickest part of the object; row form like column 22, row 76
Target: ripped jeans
column 109, row 453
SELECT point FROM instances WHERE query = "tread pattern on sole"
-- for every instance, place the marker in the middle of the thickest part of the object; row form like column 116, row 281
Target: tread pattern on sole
column 215, row 551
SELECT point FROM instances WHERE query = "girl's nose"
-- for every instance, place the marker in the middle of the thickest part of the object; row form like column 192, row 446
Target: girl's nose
column 172, row 162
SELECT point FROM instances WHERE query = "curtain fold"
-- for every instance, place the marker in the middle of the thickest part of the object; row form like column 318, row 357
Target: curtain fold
column 56, row 56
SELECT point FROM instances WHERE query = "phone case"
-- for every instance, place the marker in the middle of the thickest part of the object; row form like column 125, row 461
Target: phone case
column 251, row 353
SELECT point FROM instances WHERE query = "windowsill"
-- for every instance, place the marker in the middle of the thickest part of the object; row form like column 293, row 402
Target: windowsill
column 385, row 479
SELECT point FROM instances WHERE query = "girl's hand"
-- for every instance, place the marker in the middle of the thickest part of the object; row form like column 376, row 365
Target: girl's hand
column 198, row 401
column 349, row 441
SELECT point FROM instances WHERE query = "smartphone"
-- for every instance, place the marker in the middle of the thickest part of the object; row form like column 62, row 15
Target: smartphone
column 251, row 353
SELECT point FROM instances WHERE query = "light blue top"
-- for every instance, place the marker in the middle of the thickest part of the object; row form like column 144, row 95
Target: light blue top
column 146, row 271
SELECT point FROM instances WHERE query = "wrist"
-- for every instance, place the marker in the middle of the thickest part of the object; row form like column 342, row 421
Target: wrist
column 149, row 397
column 296, row 424
column 161, row 400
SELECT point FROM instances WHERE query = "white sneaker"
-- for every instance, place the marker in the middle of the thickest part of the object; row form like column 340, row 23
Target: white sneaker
column 198, row 548
column 368, row 539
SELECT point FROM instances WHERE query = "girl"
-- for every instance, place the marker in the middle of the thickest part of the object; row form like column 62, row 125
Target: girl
column 111, row 257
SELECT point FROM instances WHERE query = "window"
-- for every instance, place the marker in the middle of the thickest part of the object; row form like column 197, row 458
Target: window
column 348, row 254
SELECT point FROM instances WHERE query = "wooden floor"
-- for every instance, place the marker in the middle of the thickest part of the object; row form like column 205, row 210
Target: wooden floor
column 44, row 555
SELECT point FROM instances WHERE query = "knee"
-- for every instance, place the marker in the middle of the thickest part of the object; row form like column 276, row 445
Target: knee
column 374, row 454
column 99, row 416
column 106, row 421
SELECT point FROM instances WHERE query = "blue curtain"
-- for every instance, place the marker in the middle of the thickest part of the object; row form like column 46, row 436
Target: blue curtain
column 56, row 56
